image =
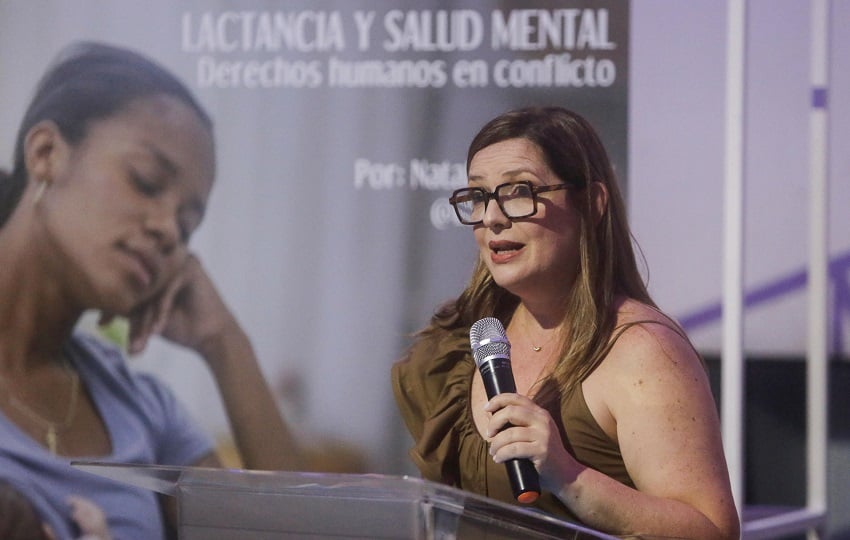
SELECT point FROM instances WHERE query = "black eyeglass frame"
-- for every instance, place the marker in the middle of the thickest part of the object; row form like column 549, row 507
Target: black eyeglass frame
column 494, row 195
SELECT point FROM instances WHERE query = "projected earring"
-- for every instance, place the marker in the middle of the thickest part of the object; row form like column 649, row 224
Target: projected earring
column 39, row 192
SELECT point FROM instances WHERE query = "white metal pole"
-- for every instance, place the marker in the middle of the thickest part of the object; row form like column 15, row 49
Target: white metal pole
column 732, row 362
column 817, row 384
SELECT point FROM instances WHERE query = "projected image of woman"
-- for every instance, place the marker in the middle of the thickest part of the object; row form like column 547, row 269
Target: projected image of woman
column 113, row 166
column 613, row 405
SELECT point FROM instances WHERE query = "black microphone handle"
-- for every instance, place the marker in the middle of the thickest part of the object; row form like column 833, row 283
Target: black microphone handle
column 498, row 379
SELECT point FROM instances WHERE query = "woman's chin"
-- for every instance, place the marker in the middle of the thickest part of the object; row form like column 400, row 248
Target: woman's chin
column 121, row 301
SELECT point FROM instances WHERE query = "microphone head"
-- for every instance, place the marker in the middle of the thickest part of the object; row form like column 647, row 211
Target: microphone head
column 487, row 328
column 488, row 340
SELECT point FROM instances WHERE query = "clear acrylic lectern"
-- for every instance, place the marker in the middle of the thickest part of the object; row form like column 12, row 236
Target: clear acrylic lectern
column 223, row 504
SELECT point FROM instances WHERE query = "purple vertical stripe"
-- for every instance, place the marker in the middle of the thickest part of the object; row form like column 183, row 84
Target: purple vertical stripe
column 819, row 97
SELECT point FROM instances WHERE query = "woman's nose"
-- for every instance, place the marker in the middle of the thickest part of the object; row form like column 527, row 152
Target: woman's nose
column 494, row 217
column 162, row 224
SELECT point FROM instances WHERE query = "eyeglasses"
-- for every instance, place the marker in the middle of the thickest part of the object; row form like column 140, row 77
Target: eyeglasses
column 515, row 199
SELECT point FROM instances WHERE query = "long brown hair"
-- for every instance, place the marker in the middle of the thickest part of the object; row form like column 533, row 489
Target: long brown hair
column 608, row 268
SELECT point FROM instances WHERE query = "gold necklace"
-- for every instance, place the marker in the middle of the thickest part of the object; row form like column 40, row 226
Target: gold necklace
column 535, row 348
column 52, row 429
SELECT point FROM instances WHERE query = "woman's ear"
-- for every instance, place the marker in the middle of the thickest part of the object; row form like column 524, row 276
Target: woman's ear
column 44, row 147
column 598, row 200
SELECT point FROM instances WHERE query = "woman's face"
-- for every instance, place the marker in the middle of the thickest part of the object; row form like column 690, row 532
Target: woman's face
column 533, row 257
column 123, row 203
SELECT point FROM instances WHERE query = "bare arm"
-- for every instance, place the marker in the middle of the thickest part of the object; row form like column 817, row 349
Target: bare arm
column 652, row 396
column 668, row 430
column 191, row 313
column 263, row 438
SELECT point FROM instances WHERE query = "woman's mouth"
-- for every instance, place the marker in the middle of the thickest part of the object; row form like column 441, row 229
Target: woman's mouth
column 143, row 268
column 503, row 251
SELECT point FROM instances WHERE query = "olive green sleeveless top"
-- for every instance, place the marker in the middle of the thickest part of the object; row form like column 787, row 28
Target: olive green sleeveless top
column 432, row 389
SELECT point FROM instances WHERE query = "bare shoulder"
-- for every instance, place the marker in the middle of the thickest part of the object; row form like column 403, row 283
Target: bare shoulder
column 651, row 365
column 646, row 340
column 651, row 361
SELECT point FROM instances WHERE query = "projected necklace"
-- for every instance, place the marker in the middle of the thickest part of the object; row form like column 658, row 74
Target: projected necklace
column 52, row 429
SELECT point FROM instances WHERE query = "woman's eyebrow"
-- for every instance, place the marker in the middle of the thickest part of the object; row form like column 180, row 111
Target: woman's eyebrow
column 162, row 160
column 517, row 172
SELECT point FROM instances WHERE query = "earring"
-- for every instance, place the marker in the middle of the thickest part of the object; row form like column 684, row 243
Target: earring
column 39, row 192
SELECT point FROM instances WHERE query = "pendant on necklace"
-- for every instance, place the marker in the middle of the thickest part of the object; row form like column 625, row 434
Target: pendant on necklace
column 536, row 349
column 51, row 439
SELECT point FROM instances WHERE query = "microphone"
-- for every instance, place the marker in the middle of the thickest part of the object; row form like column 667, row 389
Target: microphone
column 492, row 352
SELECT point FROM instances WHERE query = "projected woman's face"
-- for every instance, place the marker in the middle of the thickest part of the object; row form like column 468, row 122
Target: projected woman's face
column 124, row 202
